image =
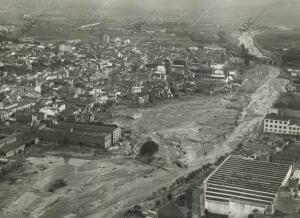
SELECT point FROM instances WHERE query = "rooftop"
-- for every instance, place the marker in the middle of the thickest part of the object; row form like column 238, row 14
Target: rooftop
column 86, row 132
column 91, row 127
column 273, row 116
column 238, row 179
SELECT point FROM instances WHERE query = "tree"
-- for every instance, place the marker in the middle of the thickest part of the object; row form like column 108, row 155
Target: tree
column 170, row 196
column 189, row 198
column 255, row 211
column 149, row 149
column 158, row 203
column 181, row 200
column 154, row 194
column 245, row 54
column 221, row 35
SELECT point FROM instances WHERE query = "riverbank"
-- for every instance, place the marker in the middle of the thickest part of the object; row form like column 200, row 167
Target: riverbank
column 248, row 40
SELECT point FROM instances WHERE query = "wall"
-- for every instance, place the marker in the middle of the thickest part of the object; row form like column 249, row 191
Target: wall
column 281, row 127
column 217, row 207
column 8, row 140
column 15, row 151
column 116, row 135
column 288, row 175
column 101, row 140
column 242, row 210
column 291, row 113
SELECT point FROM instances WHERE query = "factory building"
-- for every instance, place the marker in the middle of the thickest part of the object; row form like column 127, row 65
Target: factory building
column 75, row 137
column 113, row 129
column 90, row 134
column 238, row 187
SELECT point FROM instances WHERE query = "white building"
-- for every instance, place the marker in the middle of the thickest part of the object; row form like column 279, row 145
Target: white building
column 279, row 125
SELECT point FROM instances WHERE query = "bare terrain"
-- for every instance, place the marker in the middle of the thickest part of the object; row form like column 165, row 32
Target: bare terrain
column 197, row 130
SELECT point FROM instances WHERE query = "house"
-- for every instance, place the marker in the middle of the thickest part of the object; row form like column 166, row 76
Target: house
column 236, row 60
column 6, row 139
column 15, row 143
column 136, row 89
column 12, row 149
column 5, row 115
column 23, row 117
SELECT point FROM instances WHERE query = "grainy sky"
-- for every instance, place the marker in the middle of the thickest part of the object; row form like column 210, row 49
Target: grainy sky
column 280, row 11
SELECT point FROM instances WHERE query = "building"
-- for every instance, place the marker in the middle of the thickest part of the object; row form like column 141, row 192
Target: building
column 14, row 144
column 236, row 60
column 113, row 129
column 12, row 149
column 281, row 125
column 6, row 139
column 91, row 134
column 289, row 155
column 75, row 137
column 237, row 187
column 178, row 66
column 106, row 38
column 26, row 118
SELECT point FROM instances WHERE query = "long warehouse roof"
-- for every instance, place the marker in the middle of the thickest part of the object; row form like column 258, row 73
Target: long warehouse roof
column 255, row 182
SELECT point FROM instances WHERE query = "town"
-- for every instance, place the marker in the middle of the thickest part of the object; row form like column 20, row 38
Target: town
column 134, row 127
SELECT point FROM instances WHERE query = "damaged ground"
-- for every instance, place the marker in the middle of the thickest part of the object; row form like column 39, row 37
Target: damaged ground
column 195, row 131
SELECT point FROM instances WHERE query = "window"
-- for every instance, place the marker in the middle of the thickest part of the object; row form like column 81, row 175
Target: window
column 271, row 121
column 276, row 121
column 271, row 126
column 280, row 122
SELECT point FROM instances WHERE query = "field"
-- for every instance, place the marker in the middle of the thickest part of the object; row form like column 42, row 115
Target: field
column 196, row 130
column 273, row 40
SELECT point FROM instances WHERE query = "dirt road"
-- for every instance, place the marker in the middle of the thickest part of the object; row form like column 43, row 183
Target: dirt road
column 261, row 102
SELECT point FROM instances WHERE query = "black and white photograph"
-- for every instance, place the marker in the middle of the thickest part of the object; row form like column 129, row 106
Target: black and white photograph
column 149, row 108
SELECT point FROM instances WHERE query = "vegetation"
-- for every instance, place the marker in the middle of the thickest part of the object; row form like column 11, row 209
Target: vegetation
column 277, row 40
column 148, row 150
column 10, row 166
column 284, row 43
column 222, row 36
column 245, row 54
column 59, row 183
column 170, row 196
